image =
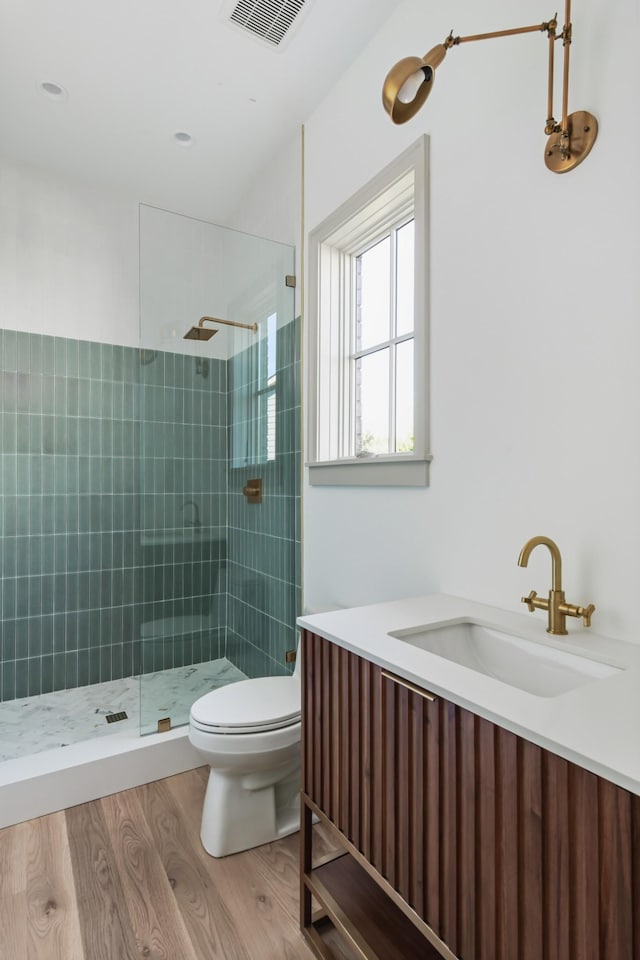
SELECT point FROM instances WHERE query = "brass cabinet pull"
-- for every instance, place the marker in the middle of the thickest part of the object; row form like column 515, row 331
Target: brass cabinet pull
column 410, row 686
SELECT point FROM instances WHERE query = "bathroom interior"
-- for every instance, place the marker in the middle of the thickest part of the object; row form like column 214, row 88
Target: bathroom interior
column 161, row 528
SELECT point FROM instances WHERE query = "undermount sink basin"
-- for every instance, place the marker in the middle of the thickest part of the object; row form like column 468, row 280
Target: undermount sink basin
column 543, row 670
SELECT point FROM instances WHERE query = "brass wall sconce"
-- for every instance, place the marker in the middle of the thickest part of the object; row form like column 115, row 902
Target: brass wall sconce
column 410, row 81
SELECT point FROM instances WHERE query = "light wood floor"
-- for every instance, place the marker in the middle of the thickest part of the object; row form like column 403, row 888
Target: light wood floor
column 126, row 877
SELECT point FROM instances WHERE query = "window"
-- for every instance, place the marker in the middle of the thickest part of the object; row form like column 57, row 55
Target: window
column 383, row 356
column 253, row 400
column 368, row 344
column 266, row 394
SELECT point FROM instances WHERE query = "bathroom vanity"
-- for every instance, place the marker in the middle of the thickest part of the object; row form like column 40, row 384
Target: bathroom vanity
column 478, row 820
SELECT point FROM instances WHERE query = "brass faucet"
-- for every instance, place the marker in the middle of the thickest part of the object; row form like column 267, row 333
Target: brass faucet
column 558, row 609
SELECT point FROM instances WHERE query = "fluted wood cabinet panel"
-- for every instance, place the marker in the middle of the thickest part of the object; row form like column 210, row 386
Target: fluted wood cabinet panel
column 507, row 851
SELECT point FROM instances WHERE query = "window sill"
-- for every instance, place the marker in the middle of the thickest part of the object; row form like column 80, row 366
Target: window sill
column 374, row 472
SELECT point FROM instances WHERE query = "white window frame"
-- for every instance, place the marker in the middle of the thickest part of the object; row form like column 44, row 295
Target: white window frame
column 399, row 191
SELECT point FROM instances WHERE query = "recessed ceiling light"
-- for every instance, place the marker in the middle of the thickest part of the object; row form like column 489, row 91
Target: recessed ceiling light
column 53, row 90
column 183, row 138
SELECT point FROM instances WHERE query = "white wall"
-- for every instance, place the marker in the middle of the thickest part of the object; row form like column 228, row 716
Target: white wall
column 68, row 258
column 70, row 265
column 271, row 208
column 535, row 326
column 190, row 268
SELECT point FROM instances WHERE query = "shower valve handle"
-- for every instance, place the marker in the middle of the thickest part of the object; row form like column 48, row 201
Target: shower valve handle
column 253, row 491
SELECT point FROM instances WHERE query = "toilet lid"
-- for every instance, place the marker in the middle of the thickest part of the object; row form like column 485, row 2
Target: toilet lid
column 266, row 703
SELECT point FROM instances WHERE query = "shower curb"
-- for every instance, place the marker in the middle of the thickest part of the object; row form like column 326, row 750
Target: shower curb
column 46, row 782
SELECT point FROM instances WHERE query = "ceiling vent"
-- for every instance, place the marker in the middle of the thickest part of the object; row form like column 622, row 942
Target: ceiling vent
column 267, row 20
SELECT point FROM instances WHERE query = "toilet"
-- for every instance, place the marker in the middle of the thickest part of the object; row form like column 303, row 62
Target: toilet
column 249, row 734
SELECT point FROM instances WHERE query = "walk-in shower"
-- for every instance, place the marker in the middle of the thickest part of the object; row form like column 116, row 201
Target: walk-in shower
column 135, row 574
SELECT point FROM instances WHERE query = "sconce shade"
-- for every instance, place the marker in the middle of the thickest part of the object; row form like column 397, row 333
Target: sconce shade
column 404, row 72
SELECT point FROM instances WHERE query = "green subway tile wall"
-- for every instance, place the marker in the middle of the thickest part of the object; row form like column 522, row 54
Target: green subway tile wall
column 121, row 548
column 113, row 537
column 264, row 594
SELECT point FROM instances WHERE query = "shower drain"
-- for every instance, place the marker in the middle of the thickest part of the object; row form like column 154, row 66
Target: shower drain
column 113, row 717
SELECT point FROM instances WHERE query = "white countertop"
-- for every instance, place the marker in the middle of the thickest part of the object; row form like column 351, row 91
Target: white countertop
column 596, row 725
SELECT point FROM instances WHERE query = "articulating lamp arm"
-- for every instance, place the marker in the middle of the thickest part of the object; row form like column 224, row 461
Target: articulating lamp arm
column 452, row 41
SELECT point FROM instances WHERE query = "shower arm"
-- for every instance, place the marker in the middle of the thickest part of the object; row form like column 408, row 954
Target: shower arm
column 229, row 323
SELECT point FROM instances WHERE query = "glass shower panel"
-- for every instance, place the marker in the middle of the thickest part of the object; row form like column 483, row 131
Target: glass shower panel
column 183, row 528
column 221, row 589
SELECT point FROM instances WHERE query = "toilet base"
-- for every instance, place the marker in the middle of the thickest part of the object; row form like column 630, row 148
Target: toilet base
column 241, row 812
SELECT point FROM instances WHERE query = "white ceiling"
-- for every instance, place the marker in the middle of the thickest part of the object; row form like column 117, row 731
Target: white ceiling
column 137, row 71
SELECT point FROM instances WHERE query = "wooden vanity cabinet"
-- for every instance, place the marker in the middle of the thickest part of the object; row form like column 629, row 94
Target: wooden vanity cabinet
column 485, row 846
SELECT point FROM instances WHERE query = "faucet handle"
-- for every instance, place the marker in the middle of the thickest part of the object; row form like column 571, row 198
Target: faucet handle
column 585, row 613
column 529, row 600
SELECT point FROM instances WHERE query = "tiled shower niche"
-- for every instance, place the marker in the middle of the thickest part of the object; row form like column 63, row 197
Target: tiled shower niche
column 121, row 549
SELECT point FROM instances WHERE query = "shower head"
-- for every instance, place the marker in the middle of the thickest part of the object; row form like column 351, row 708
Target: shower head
column 199, row 333
column 204, row 333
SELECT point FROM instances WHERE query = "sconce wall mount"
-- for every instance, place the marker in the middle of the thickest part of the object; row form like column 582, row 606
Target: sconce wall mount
column 410, row 81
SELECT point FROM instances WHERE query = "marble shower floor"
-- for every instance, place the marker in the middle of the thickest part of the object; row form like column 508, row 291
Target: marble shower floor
column 34, row 724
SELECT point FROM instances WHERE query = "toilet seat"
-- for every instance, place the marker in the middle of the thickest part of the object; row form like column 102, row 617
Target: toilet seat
column 249, row 706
